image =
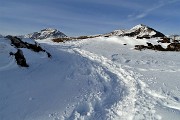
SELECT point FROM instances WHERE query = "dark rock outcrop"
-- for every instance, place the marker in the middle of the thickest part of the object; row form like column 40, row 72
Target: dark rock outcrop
column 173, row 47
column 19, row 43
column 164, row 40
column 145, row 36
column 159, row 48
column 20, row 59
column 149, row 46
column 170, row 47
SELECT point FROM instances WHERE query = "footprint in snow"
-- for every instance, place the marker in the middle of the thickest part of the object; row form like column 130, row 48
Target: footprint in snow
column 114, row 57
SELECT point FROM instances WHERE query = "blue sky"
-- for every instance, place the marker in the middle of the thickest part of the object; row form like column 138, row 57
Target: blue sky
column 87, row 17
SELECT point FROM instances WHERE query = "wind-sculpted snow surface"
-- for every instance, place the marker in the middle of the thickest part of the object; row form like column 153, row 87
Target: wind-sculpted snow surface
column 92, row 79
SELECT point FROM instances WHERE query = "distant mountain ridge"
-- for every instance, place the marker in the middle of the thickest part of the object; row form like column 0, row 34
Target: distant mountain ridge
column 139, row 31
column 46, row 33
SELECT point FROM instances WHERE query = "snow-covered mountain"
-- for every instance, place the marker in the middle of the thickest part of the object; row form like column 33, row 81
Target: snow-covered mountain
column 139, row 31
column 46, row 33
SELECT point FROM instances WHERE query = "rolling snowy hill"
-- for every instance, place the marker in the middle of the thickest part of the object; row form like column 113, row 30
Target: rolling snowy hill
column 101, row 78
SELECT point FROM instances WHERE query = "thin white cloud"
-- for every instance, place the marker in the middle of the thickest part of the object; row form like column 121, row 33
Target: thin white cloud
column 149, row 10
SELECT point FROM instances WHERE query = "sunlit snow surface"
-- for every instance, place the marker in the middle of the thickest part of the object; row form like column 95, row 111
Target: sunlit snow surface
column 92, row 79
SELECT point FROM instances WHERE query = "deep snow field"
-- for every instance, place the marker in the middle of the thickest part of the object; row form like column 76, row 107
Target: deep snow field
column 91, row 79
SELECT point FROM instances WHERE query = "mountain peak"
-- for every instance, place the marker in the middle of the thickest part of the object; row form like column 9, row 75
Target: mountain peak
column 139, row 26
column 46, row 33
column 49, row 29
column 138, row 31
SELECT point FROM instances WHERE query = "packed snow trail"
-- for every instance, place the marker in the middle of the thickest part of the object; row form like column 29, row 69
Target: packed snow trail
column 136, row 104
column 114, row 93
column 122, row 108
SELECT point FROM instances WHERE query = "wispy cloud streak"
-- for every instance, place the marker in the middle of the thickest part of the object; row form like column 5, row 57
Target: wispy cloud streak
column 144, row 13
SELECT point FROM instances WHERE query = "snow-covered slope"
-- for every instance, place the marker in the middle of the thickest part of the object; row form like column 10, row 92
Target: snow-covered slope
column 101, row 78
column 46, row 33
column 139, row 31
